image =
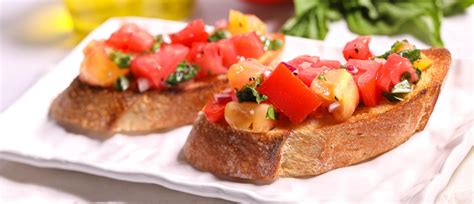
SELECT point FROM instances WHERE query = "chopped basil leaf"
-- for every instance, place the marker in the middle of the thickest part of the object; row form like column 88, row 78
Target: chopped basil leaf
column 412, row 55
column 402, row 87
column 271, row 113
column 122, row 83
column 249, row 92
column 275, row 44
column 121, row 59
column 321, row 77
column 218, row 35
column 399, row 91
column 384, row 55
column 184, row 72
column 158, row 43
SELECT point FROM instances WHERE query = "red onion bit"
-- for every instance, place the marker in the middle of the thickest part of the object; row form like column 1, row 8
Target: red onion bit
column 143, row 84
column 333, row 106
column 352, row 69
column 290, row 67
column 222, row 98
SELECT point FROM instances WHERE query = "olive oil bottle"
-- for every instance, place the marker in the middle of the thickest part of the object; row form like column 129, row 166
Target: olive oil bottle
column 88, row 14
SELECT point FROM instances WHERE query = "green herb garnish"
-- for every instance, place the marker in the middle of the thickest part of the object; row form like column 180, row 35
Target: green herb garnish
column 121, row 59
column 249, row 92
column 218, row 35
column 322, row 77
column 275, row 44
column 122, row 83
column 399, row 91
column 271, row 113
column 184, row 72
column 158, row 43
column 412, row 55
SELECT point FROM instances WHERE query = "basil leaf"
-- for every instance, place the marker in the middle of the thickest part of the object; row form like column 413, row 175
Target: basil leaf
column 249, row 93
column 275, row 44
column 158, row 43
column 412, row 55
column 122, row 60
column 184, row 72
column 271, row 113
column 122, row 83
column 399, row 91
column 322, row 77
column 402, row 87
column 218, row 35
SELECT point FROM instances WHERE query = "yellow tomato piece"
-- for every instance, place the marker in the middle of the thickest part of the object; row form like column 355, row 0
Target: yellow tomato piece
column 248, row 116
column 97, row 69
column 338, row 87
column 244, row 72
column 244, row 23
column 423, row 63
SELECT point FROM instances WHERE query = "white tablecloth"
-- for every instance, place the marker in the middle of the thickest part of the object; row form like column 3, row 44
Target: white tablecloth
column 23, row 63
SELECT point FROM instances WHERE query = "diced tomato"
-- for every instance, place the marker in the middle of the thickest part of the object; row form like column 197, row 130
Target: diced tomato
column 289, row 94
column 196, row 49
column 392, row 71
column 148, row 67
column 210, row 61
column 309, row 67
column 248, row 45
column 214, row 111
column 358, row 48
column 307, row 75
column 193, row 32
column 158, row 66
column 304, row 61
column 131, row 38
column 334, row 64
column 365, row 72
column 227, row 50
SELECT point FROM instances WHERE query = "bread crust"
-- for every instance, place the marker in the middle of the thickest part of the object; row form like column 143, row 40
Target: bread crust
column 316, row 146
column 102, row 112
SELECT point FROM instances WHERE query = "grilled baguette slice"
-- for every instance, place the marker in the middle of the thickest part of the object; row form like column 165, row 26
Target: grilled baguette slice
column 101, row 112
column 315, row 147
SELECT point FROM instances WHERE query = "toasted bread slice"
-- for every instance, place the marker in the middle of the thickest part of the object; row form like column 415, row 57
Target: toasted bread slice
column 101, row 112
column 316, row 146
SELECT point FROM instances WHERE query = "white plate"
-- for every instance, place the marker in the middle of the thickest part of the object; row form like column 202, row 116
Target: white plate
column 415, row 171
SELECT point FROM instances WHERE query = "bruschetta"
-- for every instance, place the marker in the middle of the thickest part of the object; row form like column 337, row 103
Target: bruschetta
column 308, row 116
column 136, row 83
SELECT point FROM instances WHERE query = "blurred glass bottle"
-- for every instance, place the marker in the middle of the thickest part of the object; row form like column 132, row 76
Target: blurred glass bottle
column 88, row 14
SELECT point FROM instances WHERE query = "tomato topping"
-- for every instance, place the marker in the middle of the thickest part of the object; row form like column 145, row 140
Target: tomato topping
column 304, row 61
column 210, row 61
column 358, row 49
column 158, row 66
column 248, row 45
column 333, row 64
column 131, row 38
column 193, row 32
column 309, row 67
column 196, row 49
column 214, row 111
column 227, row 50
column 393, row 70
column 365, row 72
column 289, row 94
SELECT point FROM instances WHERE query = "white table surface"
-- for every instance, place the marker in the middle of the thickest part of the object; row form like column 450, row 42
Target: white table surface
column 23, row 63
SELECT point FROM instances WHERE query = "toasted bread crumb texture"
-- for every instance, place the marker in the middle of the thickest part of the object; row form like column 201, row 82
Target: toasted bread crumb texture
column 102, row 112
column 313, row 148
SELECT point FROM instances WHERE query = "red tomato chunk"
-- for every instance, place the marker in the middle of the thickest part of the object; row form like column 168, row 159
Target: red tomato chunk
column 289, row 94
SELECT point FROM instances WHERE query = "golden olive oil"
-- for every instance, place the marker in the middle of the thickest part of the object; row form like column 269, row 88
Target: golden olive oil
column 88, row 14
